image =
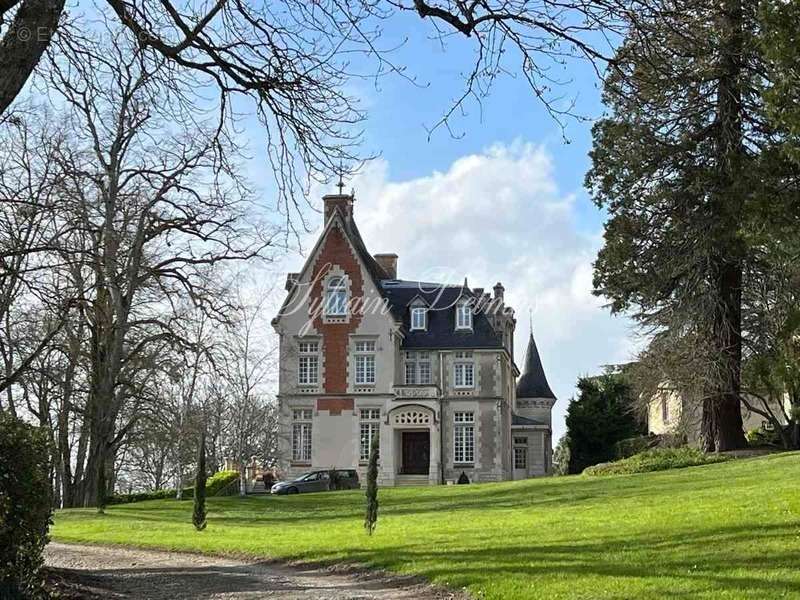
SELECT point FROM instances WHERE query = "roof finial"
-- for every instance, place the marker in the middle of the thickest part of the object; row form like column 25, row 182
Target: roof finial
column 530, row 320
column 340, row 185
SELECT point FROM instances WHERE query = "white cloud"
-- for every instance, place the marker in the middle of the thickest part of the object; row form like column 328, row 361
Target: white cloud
column 499, row 216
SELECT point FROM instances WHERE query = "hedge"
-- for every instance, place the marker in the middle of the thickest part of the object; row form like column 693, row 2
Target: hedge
column 25, row 507
column 656, row 459
column 217, row 484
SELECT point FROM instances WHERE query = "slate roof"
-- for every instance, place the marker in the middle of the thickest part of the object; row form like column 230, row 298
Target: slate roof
column 440, row 298
column 441, row 331
column 375, row 270
column 533, row 383
column 517, row 420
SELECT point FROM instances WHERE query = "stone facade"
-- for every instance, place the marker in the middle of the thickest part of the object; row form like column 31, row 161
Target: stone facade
column 442, row 395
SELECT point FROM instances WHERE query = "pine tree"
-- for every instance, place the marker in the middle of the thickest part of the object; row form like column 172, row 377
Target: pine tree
column 683, row 165
column 371, row 518
column 199, row 513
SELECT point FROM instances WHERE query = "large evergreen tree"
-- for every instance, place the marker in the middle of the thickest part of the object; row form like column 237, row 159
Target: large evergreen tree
column 683, row 163
column 600, row 416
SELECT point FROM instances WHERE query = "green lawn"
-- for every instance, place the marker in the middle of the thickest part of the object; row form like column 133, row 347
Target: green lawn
column 728, row 530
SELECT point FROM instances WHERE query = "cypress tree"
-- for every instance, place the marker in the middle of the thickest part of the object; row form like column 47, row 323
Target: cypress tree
column 371, row 518
column 199, row 513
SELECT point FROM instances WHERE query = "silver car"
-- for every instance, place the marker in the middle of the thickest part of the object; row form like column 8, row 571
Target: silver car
column 318, row 481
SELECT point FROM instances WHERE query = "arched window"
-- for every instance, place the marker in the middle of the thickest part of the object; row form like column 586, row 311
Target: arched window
column 336, row 297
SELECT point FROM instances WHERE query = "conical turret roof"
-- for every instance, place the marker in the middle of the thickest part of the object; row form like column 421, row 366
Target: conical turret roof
column 533, row 383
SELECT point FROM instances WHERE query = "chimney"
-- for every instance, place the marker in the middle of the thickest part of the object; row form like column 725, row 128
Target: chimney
column 498, row 290
column 388, row 263
column 344, row 202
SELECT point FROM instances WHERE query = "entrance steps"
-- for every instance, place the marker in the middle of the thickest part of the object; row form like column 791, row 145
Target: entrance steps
column 411, row 480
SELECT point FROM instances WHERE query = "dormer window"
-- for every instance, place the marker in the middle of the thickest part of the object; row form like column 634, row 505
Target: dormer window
column 336, row 297
column 463, row 315
column 419, row 318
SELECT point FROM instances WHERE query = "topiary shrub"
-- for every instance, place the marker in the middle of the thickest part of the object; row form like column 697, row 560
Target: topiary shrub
column 25, row 507
column 371, row 513
column 199, row 513
column 656, row 459
column 463, row 479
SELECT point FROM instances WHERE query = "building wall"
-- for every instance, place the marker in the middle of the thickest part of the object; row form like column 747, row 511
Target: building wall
column 685, row 417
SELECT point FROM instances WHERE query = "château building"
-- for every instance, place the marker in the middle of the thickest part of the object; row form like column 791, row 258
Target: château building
column 427, row 366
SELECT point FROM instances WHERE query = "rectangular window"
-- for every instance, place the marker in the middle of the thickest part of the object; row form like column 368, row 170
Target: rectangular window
column 424, row 368
column 418, row 368
column 370, row 425
column 418, row 318
column 365, row 363
column 308, row 363
column 464, row 437
column 464, row 370
column 664, row 410
column 301, row 434
column 411, row 371
column 520, row 457
column 463, row 316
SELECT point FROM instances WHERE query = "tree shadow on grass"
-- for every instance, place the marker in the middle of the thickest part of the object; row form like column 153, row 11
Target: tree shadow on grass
column 733, row 560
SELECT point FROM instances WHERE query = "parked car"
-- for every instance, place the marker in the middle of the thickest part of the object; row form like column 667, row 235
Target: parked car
column 319, row 481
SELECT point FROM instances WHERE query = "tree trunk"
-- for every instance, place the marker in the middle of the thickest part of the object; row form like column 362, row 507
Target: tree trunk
column 24, row 44
column 728, row 204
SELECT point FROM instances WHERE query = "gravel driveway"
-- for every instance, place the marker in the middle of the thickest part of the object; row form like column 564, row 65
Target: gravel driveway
column 121, row 573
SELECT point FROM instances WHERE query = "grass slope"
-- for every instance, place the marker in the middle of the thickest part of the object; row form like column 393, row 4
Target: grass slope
column 729, row 530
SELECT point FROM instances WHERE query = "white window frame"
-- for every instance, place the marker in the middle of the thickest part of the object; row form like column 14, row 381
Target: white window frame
column 301, row 434
column 365, row 369
column 417, row 364
column 463, row 437
column 463, row 371
column 419, row 318
column 336, row 297
column 308, row 363
column 369, row 427
column 463, row 315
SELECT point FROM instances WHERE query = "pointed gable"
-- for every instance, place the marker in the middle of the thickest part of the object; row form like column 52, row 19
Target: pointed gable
column 340, row 232
column 533, row 383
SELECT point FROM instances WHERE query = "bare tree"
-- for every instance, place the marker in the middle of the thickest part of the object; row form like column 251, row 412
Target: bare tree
column 292, row 59
column 247, row 363
column 158, row 215
column 30, row 233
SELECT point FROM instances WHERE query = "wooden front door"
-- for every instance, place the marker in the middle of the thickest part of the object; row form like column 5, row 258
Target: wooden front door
column 416, row 452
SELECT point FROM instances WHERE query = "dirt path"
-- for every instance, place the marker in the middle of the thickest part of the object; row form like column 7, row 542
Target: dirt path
column 121, row 573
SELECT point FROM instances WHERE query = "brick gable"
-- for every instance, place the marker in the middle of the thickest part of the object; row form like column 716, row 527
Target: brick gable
column 336, row 251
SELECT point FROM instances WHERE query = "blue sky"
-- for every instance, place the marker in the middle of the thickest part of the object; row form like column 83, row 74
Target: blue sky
column 503, row 200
